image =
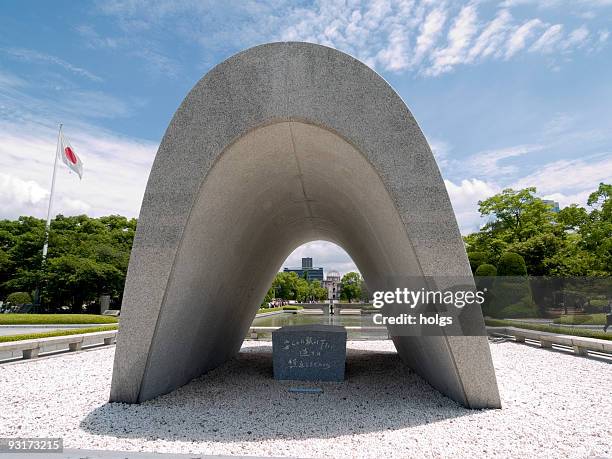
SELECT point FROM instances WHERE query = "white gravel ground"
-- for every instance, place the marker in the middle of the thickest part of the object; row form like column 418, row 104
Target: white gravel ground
column 555, row 405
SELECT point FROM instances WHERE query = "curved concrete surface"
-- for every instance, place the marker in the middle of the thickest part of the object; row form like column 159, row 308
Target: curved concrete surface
column 279, row 145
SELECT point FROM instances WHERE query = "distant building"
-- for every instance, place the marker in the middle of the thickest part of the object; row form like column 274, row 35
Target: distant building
column 332, row 284
column 554, row 205
column 307, row 271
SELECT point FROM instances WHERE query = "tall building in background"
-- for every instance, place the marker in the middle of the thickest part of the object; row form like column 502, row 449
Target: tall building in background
column 307, row 271
column 554, row 205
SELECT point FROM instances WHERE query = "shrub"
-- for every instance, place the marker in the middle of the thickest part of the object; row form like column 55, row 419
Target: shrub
column 511, row 297
column 49, row 334
column 19, row 298
column 547, row 328
column 32, row 319
column 476, row 259
column 585, row 319
column 486, row 269
column 511, row 264
column 596, row 306
column 524, row 308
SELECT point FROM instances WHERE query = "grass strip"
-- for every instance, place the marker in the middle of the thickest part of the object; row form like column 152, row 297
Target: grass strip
column 279, row 308
column 49, row 334
column 585, row 319
column 551, row 329
column 39, row 319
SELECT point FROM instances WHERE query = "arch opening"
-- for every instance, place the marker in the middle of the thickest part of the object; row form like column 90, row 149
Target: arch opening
column 292, row 182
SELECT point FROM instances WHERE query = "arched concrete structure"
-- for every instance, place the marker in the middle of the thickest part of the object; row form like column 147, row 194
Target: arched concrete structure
column 279, row 145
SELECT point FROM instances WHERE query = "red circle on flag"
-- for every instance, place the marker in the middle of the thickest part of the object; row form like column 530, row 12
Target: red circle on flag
column 70, row 155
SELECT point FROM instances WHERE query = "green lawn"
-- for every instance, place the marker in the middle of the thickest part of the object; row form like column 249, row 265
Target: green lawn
column 551, row 329
column 38, row 319
column 279, row 308
column 583, row 319
column 78, row 331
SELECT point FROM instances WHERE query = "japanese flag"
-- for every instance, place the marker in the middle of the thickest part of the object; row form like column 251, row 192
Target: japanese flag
column 69, row 157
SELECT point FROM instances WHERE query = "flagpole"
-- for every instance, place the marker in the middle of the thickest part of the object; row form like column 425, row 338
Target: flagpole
column 48, row 224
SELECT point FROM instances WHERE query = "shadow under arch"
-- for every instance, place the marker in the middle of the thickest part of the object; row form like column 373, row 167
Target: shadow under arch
column 271, row 149
column 241, row 402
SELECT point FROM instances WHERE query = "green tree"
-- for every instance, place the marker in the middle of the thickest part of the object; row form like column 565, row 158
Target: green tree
column 573, row 217
column 573, row 242
column 302, row 289
column 316, row 291
column 516, row 215
column 288, row 286
column 87, row 257
column 285, row 285
column 351, row 286
column 596, row 233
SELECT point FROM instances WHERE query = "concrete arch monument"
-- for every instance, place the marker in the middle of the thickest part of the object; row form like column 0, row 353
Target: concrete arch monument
column 276, row 146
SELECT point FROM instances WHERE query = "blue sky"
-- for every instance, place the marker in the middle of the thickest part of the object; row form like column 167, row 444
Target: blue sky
column 510, row 93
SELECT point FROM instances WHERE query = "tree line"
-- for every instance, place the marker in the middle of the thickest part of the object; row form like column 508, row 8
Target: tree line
column 575, row 241
column 288, row 286
column 88, row 256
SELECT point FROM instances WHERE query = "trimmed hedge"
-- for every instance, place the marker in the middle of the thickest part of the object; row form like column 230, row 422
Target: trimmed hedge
column 486, row 270
column 476, row 259
column 19, row 298
column 49, row 334
column 510, row 297
column 279, row 308
column 547, row 328
column 511, row 264
column 594, row 319
column 596, row 306
column 37, row 319
column 262, row 310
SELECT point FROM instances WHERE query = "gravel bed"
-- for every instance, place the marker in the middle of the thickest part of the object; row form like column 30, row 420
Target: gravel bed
column 554, row 405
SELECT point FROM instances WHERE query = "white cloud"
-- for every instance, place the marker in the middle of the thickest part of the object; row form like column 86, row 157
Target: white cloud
column 422, row 36
column 324, row 254
column 35, row 56
column 521, row 35
column 429, row 32
column 8, row 80
column 565, row 181
column 570, row 177
column 489, row 162
column 464, row 198
column 459, row 38
column 18, row 196
column 577, row 38
column 395, row 56
column 117, row 165
column 490, row 40
column 547, row 41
